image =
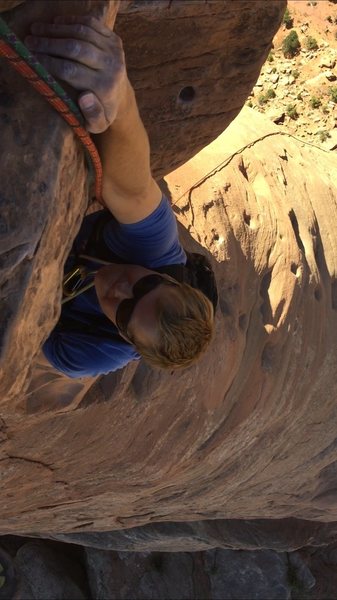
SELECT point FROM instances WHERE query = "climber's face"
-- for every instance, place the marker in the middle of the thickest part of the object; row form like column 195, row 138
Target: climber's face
column 128, row 296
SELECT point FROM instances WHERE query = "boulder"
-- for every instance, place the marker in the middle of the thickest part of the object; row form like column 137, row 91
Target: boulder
column 327, row 62
column 249, row 431
column 330, row 75
column 47, row 572
column 331, row 141
column 276, row 114
column 216, row 574
column 192, row 64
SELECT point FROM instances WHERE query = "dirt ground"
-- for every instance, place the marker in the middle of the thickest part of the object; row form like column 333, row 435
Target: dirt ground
column 310, row 75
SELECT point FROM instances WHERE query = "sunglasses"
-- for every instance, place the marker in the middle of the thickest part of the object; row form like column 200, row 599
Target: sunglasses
column 141, row 288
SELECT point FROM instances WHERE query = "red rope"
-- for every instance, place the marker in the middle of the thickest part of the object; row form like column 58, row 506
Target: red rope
column 57, row 103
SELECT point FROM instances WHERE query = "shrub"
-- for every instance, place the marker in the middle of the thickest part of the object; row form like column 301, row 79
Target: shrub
column 250, row 104
column 274, row 70
column 333, row 93
column 295, row 73
column 315, row 102
column 291, row 44
column 292, row 112
column 270, row 57
column 323, row 135
column 299, row 96
column 311, row 43
column 325, row 109
column 270, row 93
column 264, row 98
column 288, row 20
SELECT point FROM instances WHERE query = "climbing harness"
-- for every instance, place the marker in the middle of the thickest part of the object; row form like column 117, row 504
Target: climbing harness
column 26, row 64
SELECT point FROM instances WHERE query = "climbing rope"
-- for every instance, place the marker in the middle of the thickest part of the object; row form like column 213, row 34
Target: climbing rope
column 26, row 64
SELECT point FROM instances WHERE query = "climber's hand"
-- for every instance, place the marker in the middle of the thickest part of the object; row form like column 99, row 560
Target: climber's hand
column 87, row 55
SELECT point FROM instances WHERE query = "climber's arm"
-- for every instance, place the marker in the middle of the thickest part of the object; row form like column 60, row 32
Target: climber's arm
column 88, row 56
column 129, row 189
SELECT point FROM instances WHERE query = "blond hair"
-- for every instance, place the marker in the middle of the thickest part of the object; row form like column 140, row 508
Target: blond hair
column 185, row 329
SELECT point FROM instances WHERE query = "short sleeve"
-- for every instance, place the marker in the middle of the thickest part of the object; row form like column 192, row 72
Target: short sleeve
column 83, row 355
column 152, row 242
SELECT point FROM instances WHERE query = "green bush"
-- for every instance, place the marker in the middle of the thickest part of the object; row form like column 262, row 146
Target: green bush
column 264, row 98
column 299, row 96
column 315, row 102
column 291, row 44
column 323, row 135
column 270, row 57
column 325, row 109
column 292, row 111
column 311, row 43
column 333, row 93
column 288, row 21
column 270, row 93
column 250, row 104
column 295, row 73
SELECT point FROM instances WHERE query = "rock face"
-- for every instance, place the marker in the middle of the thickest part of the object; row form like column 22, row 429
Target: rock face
column 43, row 195
column 190, row 90
column 192, row 65
column 249, row 432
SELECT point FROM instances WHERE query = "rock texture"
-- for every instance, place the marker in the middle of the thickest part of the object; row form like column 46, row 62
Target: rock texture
column 250, row 431
column 43, row 195
column 217, row 574
column 46, row 570
column 192, row 64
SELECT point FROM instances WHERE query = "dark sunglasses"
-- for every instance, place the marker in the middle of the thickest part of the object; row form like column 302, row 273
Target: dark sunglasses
column 141, row 288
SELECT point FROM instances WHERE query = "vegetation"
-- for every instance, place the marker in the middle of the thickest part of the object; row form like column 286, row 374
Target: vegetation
column 250, row 104
column 295, row 73
column 325, row 109
column 264, row 98
column 323, row 135
column 270, row 57
column 292, row 111
column 288, row 20
column 333, row 93
column 299, row 96
column 291, row 44
column 311, row 43
column 315, row 102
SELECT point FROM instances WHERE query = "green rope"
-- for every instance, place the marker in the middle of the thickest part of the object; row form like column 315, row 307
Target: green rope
column 12, row 40
column 7, row 34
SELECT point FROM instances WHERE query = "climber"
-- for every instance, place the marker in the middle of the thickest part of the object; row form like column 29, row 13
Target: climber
column 132, row 310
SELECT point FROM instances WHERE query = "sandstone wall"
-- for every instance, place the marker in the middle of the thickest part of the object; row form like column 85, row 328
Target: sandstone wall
column 249, row 432
column 192, row 64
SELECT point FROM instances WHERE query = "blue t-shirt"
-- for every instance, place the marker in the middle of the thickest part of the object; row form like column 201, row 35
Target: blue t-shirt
column 152, row 242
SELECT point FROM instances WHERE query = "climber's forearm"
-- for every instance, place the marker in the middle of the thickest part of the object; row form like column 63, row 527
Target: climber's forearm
column 86, row 54
column 129, row 190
